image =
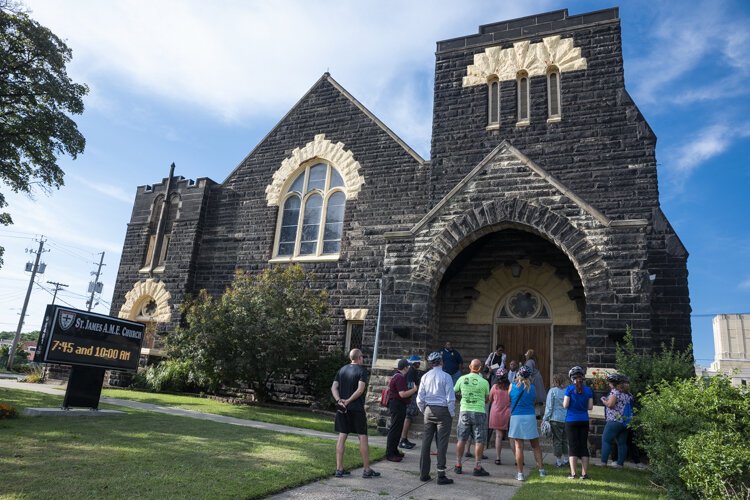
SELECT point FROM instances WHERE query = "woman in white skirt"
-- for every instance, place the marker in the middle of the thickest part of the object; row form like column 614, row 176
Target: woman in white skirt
column 523, row 420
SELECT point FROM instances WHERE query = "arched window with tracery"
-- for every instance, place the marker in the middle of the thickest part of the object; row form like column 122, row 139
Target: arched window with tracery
column 523, row 97
column 311, row 219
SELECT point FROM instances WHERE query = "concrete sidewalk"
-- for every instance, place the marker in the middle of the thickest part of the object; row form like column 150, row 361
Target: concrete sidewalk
column 398, row 480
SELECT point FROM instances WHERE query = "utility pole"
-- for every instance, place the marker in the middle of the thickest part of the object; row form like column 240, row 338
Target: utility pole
column 58, row 287
column 95, row 286
column 14, row 345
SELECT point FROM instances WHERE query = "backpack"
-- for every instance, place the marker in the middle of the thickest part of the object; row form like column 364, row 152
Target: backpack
column 385, row 396
column 627, row 413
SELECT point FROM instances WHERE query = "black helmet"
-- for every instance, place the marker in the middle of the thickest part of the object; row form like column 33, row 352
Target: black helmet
column 617, row 378
column 435, row 358
column 576, row 370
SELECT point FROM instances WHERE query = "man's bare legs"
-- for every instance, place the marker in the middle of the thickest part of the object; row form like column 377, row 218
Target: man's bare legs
column 340, row 446
column 478, row 452
column 364, row 450
column 460, row 445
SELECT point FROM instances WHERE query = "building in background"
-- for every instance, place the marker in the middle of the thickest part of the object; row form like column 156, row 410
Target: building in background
column 731, row 348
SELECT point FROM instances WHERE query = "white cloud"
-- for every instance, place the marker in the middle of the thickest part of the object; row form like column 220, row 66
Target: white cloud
column 110, row 191
column 744, row 285
column 238, row 60
column 680, row 44
column 705, row 145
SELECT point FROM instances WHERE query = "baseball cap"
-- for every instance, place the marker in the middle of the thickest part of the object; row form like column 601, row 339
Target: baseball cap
column 402, row 363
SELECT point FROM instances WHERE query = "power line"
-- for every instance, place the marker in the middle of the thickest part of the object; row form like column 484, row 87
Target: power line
column 51, row 293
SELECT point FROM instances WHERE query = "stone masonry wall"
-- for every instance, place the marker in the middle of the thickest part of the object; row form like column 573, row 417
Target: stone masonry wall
column 240, row 226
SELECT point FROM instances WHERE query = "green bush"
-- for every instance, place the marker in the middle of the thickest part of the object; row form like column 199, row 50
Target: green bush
column 321, row 374
column 139, row 380
column 673, row 417
column 648, row 369
column 172, row 375
column 718, row 465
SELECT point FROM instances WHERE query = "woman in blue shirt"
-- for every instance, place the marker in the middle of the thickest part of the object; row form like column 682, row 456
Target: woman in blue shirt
column 579, row 400
column 523, row 420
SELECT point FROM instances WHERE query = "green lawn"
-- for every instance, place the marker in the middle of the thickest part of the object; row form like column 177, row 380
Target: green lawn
column 605, row 484
column 295, row 418
column 151, row 455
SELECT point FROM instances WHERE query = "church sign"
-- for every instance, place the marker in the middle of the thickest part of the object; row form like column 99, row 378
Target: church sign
column 75, row 337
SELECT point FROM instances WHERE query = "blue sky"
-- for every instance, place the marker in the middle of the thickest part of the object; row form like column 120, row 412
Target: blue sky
column 200, row 83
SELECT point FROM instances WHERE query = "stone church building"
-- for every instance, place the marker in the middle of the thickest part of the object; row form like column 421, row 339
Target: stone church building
column 536, row 222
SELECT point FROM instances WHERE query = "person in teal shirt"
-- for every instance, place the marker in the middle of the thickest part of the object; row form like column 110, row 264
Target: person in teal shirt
column 472, row 421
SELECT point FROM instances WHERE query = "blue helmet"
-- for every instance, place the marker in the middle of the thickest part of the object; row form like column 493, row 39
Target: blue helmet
column 414, row 359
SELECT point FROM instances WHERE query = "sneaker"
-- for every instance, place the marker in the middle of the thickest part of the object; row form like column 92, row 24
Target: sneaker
column 572, row 476
column 615, row 465
column 639, row 466
column 458, row 469
column 479, row 471
column 444, row 480
column 584, row 476
column 339, row 473
column 519, row 476
column 370, row 474
column 394, row 458
column 425, row 478
column 406, row 444
column 542, row 473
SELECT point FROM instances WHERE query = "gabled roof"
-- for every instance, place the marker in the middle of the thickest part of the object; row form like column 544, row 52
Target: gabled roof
column 506, row 146
column 328, row 78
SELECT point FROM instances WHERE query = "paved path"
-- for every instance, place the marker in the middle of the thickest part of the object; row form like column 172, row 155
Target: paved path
column 398, row 480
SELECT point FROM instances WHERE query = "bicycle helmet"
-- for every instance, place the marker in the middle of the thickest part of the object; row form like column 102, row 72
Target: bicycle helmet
column 435, row 358
column 414, row 359
column 576, row 371
column 501, row 373
column 524, row 372
column 617, row 378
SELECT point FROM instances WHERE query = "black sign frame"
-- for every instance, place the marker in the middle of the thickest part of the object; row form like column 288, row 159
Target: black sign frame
column 83, row 338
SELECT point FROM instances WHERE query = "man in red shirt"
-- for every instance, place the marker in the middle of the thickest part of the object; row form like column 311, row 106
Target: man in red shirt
column 399, row 397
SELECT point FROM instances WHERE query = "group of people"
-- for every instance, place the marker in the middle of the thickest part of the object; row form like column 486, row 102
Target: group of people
column 494, row 397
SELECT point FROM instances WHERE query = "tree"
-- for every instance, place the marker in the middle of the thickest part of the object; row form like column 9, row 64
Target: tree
column 262, row 328
column 36, row 97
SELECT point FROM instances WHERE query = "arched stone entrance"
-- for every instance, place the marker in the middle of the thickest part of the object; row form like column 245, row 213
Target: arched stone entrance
column 518, row 289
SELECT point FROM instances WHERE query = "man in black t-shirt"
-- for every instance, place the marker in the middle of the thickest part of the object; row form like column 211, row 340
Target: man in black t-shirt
column 348, row 391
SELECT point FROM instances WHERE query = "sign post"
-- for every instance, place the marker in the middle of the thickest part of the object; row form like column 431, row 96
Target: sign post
column 91, row 343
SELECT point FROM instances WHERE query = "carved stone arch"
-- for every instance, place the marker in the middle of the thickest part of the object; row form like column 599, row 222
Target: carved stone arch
column 320, row 147
column 143, row 292
column 493, row 216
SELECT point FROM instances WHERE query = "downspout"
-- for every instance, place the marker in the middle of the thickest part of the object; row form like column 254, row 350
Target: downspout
column 377, row 327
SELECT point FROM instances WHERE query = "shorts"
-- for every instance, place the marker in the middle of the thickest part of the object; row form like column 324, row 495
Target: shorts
column 523, row 427
column 351, row 422
column 472, row 424
column 411, row 410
